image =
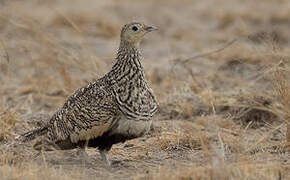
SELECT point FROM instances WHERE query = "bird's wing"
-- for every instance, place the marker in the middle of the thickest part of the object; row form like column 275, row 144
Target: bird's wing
column 88, row 113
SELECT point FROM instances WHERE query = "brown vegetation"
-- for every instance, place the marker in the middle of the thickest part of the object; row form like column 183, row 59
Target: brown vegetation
column 282, row 85
column 222, row 116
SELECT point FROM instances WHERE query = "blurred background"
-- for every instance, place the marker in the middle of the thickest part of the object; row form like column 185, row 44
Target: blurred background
column 49, row 48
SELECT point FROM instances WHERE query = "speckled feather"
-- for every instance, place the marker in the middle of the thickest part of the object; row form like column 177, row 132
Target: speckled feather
column 117, row 107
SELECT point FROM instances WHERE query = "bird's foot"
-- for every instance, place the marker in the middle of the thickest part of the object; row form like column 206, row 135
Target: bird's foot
column 104, row 155
column 84, row 156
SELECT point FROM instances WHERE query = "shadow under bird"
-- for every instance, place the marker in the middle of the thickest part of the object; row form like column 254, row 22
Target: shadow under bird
column 115, row 108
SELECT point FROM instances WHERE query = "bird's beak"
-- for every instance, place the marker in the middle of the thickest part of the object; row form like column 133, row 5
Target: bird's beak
column 151, row 28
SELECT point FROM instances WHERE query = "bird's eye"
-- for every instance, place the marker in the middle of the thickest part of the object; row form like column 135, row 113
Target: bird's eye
column 135, row 28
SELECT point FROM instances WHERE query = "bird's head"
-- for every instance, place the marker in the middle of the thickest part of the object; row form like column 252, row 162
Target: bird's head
column 133, row 33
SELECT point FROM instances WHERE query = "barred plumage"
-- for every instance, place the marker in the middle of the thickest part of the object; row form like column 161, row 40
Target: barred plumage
column 113, row 109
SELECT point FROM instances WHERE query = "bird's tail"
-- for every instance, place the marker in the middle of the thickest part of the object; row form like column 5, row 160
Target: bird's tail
column 29, row 136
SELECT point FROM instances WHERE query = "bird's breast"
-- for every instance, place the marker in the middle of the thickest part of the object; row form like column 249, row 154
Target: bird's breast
column 132, row 128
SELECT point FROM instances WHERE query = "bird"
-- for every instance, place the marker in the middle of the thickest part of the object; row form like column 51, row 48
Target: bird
column 112, row 109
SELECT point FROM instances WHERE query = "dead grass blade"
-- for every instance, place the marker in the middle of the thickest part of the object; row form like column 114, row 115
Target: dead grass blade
column 256, row 145
column 228, row 44
column 71, row 22
column 6, row 55
column 282, row 87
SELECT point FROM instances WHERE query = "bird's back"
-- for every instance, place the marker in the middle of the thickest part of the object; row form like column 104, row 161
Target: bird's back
column 88, row 113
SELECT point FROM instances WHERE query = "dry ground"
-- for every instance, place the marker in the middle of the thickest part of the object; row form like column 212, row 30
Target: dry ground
column 220, row 116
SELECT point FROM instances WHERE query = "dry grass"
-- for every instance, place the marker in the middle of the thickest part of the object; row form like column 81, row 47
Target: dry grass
column 238, row 171
column 282, row 86
column 7, row 120
column 34, row 171
column 222, row 116
column 184, row 135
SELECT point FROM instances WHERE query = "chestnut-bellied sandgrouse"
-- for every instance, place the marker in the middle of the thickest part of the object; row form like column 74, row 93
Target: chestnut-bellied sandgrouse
column 115, row 108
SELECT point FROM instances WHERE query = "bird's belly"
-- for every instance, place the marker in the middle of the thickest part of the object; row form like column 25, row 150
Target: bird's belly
column 132, row 128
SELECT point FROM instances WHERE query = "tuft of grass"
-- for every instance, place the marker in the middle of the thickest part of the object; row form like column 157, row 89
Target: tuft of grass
column 282, row 87
column 253, row 110
column 7, row 123
column 185, row 135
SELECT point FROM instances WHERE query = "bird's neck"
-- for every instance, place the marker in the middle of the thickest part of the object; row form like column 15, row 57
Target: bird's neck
column 128, row 57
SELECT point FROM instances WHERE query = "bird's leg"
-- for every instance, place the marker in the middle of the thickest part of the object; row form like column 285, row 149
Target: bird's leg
column 104, row 155
column 83, row 153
